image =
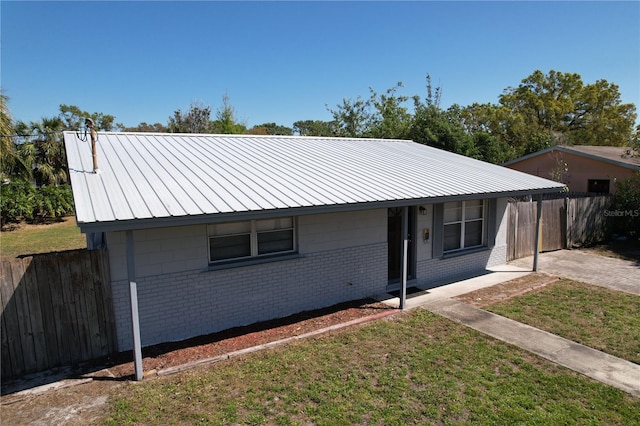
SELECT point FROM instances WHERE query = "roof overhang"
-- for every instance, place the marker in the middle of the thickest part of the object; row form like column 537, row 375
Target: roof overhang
column 164, row 222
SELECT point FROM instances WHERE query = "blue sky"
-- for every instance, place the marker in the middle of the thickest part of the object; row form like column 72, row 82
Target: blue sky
column 286, row 61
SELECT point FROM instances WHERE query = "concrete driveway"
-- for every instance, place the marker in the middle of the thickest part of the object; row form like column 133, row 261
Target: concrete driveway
column 580, row 265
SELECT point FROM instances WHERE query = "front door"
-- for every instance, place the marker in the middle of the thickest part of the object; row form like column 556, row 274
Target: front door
column 394, row 241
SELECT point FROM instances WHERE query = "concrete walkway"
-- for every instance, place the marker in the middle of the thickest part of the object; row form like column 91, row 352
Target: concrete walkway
column 613, row 273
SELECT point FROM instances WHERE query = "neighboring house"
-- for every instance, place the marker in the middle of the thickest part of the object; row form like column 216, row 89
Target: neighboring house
column 210, row 232
column 581, row 168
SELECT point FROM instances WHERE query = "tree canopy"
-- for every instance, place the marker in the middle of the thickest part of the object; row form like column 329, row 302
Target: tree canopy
column 555, row 108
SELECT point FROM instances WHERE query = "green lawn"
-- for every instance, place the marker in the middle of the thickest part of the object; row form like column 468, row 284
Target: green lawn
column 417, row 368
column 32, row 239
column 594, row 316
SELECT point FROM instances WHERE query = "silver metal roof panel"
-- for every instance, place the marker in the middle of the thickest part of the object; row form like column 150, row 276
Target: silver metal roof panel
column 150, row 179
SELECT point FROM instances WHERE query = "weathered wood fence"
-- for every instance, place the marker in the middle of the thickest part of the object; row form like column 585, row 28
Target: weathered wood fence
column 570, row 221
column 56, row 311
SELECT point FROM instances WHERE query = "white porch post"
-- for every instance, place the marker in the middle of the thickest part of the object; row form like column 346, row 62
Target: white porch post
column 537, row 242
column 405, row 251
column 133, row 297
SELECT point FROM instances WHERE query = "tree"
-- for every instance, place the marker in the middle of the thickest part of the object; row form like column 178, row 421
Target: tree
column 439, row 128
column 196, row 120
column 270, row 129
column 352, row 118
column 560, row 106
column 144, row 127
column 226, row 122
column 627, row 201
column 43, row 151
column 315, row 128
column 390, row 119
column 11, row 165
column 492, row 149
column 73, row 119
column 380, row 116
column 634, row 144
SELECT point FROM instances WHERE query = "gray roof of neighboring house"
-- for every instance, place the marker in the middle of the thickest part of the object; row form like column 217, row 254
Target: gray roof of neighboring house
column 149, row 180
column 618, row 155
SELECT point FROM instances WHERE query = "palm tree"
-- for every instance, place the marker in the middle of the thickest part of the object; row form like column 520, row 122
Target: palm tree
column 46, row 152
column 11, row 164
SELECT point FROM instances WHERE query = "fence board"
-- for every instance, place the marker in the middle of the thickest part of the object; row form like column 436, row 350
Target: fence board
column 6, row 367
column 104, row 301
column 589, row 222
column 10, row 318
column 47, row 311
column 553, row 224
column 566, row 222
column 93, row 328
column 521, row 229
column 64, row 333
column 56, row 311
column 23, row 317
column 7, row 363
column 30, row 281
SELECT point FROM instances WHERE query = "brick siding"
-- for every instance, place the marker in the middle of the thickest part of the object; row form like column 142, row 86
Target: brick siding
column 186, row 304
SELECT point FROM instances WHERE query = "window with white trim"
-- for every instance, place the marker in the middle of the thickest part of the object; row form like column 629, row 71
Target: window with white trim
column 249, row 239
column 463, row 225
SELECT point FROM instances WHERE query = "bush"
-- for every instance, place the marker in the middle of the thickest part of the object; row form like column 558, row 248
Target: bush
column 626, row 205
column 53, row 202
column 17, row 201
column 21, row 200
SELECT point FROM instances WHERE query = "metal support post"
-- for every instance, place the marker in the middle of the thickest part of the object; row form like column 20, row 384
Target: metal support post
column 536, row 249
column 133, row 296
column 405, row 252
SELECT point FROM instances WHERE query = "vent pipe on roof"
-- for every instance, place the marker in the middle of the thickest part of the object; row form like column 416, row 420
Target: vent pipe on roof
column 94, row 139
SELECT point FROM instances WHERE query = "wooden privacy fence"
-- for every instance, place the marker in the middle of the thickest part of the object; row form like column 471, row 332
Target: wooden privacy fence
column 56, row 311
column 570, row 221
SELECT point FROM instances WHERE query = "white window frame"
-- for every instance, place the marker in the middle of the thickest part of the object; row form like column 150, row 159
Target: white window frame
column 463, row 221
column 253, row 241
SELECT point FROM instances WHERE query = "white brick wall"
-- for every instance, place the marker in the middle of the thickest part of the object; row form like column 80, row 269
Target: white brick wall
column 433, row 272
column 344, row 258
column 185, row 304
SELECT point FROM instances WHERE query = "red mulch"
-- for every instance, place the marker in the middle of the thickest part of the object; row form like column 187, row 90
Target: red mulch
column 167, row 355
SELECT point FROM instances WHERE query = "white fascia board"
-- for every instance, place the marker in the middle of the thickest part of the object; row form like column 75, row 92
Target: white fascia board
column 171, row 221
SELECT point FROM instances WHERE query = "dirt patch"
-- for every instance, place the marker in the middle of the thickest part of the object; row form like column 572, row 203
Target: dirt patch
column 489, row 295
column 84, row 403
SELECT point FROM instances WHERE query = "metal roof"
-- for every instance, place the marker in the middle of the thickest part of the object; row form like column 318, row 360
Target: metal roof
column 619, row 155
column 150, row 179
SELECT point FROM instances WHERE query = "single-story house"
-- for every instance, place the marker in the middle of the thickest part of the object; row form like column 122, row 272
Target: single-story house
column 582, row 168
column 209, row 232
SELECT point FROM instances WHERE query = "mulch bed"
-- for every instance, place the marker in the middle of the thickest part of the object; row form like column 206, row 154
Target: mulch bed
column 166, row 355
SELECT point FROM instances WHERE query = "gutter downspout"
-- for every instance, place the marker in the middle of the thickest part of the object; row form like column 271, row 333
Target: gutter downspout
column 133, row 297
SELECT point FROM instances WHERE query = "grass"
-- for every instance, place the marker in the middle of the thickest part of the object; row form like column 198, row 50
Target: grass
column 32, row 239
column 594, row 316
column 417, row 368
